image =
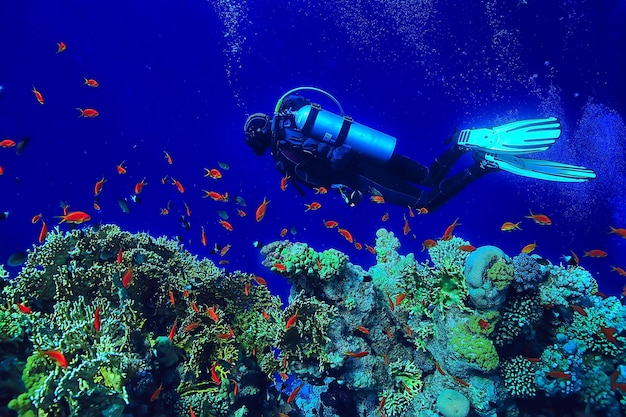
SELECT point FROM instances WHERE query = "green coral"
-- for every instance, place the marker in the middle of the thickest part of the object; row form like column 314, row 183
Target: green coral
column 474, row 349
column 447, row 257
column 501, row 274
column 566, row 286
column 298, row 259
column 519, row 377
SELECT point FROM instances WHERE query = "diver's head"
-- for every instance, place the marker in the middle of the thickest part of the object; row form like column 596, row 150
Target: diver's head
column 258, row 131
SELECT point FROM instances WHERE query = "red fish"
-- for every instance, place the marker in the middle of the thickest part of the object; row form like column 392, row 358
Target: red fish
column 97, row 189
column 168, row 158
column 260, row 211
column 406, row 229
column 361, row 354
column 280, row 266
column 226, row 225
column 294, row 393
column 467, row 248
column 56, row 356
column 483, row 324
column 91, row 82
column 385, row 217
column 400, row 298
column 74, row 217
column 121, row 169
column 228, row 335
column 191, row 413
column 178, row 185
column 172, row 299
column 7, row 143
column 619, row 270
column 291, row 321
column 128, row 277
column 378, row 199
column 320, row 190
column 61, row 47
column 529, row 248
column 609, row 333
column 36, row 218
column 214, row 376
column 43, row 232
column 24, row 308
column 202, row 236
column 618, row 231
column 579, row 310
column 259, row 280
column 284, row 182
column 173, row 330
column 139, row 186
column 283, row 232
column 541, row 219
column 120, row 256
column 330, row 224
column 88, row 113
column 211, row 312
column 596, row 253
column 559, row 375
column 428, row 243
column 363, row 329
column 213, row 173
column 96, row 319
column 313, row 206
column 38, row 95
column 509, row 226
column 156, row 393
column 346, row 234
column 447, row 235
column 215, row 195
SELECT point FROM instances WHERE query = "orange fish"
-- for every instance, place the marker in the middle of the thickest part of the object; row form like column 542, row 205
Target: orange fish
column 467, row 248
column 259, row 280
column 291, row 321
column 156, row 393
column 88, row 113
column 226, row 335
column 400, row 298
column 294, row 393
column 97, row 189
column 74, row 217
column 191, row 413
column 215, row 196
column 43, row 232
column 56, row 356
column 619, row 270
column 283, row 232
column 541, row 219
column 96, row 206
column 172, row 299
column 225, row 250
column 579, row 310
column 7, row 143
column 36, row 218
column 213, row 173
column 284, row 182
column 38, row 95
column 596, row 253
column 24, row 308
column 96, row 319
column 406, row 229
column 346, row 234
column 370, row 249
column 620, row 231
column 61, row 47
column 313, row 206
column 422, row 210
column 358, row 246
column 168, row 157
column 121, row 169
column 391, row 304
column 483, row 324
column 361, row 354
column 120, row 256
column 510, row 226
column 447, row 235
column 1, row 170
column 609, row 333
column 202, row 236
column 226, row 225
column 320, row 190
column 529, row 248
column 383, row 401
column 330, row 224
column 127, row 278
column 280, row 266
column 165, row 211
column 139, row 186
column 214, row 375
column 378, row 199
column 260, row 211
column 363, row 329
column 178, row 185
column 461, row 381
column 411, row 214
column 91, row 82
column 211, row 312
column 428, row 243
column 173, row 330
column 385, row 217
column 241, row 213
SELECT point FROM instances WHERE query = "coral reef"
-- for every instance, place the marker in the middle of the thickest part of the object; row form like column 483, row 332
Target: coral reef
column 103, row 322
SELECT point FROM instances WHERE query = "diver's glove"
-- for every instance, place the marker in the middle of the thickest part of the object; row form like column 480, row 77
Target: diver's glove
column 498, row 147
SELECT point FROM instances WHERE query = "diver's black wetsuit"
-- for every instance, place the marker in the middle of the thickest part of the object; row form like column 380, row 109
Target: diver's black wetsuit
column 314, row 163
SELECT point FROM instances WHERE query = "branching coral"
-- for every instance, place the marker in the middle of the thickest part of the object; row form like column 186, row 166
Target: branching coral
column 519, row 376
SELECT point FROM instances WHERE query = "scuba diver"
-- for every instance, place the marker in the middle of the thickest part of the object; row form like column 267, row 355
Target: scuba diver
column 317, row 148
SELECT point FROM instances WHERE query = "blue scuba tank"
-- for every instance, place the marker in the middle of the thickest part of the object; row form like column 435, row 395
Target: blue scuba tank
column 326, row 126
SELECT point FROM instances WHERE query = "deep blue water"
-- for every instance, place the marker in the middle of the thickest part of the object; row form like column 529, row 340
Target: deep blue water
column 181, row 76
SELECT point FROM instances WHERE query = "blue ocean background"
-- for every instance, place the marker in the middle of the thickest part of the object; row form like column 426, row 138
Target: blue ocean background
column 181, row 77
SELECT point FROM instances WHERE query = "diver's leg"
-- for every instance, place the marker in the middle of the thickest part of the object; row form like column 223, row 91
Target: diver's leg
column 449, row 187
column 406, row 168
column 442, row 164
